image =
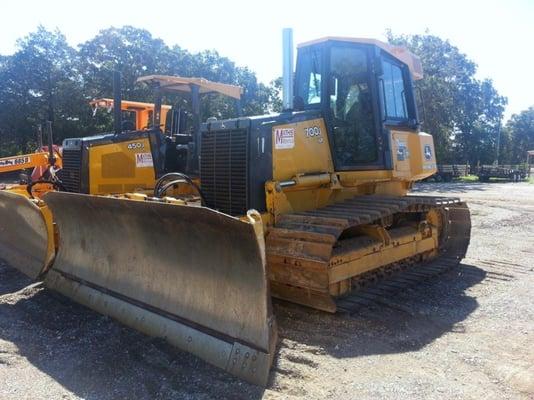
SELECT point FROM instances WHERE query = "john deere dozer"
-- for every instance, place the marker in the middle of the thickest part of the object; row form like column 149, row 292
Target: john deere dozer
column 305, row 205
column 47, row 160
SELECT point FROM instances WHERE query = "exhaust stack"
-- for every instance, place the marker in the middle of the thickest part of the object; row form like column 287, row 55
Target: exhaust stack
column 117, row 103
column 287, row 73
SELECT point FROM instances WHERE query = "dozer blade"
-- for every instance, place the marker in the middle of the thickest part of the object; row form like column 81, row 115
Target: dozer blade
column 191, row 275
column 26, row 234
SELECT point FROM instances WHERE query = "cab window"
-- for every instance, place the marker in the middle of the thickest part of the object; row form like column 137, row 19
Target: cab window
column 129, row 119
column 393, row 91
column 309, row 80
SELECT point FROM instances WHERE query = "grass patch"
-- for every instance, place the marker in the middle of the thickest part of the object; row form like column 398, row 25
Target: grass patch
column 531, row 179
column 468, row 178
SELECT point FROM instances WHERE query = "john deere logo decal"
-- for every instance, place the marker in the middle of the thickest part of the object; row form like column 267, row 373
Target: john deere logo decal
column 428, row 152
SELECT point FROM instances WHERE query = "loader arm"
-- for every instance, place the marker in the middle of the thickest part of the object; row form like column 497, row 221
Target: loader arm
column 25, row 161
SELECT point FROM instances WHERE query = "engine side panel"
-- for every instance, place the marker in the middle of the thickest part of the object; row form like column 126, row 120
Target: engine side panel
column 121, row 167
column 110, row 163
column 300, row 148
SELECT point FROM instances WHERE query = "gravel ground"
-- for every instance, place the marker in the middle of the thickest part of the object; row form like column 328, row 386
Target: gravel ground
column 467, row 334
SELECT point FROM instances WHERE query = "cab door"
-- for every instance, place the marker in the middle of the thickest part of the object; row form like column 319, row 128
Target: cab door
column 398, row 113
column 352, row 109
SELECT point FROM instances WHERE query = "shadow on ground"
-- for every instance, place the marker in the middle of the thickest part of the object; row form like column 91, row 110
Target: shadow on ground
column 11, row 280
column 97, row 358
column 405, row 322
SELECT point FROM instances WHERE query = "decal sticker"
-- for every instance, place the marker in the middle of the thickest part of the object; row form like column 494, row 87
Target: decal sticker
column 137, row 145
column 402, row 150
column 312, row 131
column 143, row 160
column 14, row 161
column 284, row 138
column 428, row 152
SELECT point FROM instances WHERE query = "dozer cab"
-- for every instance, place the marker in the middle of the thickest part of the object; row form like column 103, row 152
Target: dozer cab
column 306, row 205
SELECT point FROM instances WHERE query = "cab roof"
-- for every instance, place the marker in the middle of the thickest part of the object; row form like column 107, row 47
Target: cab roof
column 399, row 52
column 181, row 84
column 126, row 104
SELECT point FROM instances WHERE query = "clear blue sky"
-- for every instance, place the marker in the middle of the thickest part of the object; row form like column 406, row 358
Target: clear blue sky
column 497, row 35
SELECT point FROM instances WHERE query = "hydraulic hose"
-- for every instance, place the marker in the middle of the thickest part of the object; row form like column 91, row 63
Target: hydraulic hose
column 173, row 178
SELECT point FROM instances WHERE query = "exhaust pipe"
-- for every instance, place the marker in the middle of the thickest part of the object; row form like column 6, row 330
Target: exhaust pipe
column 117, row 103
column 287, row 73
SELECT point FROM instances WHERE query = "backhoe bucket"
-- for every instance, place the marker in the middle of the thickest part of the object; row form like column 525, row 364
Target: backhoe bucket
column 26, row 234
column 191, row 275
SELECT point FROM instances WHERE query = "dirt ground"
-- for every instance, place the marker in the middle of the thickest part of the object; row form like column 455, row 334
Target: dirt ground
column 466, row 334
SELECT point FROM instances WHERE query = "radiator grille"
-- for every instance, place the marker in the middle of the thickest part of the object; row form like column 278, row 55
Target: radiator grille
column 224, row 170
column 70, row 174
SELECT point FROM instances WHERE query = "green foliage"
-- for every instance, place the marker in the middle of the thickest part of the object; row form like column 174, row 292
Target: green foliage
column 48, row 79
column 276, row 95
column 468, row 178
column 131, row 51
column 462, row 113
column 38, row 83
column 136, row 53
column 520, row 136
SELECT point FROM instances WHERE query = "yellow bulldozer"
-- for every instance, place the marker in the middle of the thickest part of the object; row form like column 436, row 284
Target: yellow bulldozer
column 307, row 205
column 47, row 160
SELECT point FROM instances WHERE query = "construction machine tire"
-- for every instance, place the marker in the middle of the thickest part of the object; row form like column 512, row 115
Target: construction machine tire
column 188, row 274
column 26, row 234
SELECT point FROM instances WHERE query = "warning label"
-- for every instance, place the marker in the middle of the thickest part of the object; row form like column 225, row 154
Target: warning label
column 284, row 138
column 143, row 160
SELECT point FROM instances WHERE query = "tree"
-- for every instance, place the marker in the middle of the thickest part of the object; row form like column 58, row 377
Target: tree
column 462, row 113
column 275, row 100
column 132, row 51
column 37, row 83
column 47, row 79
column 520, row 129
column 135, row 53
